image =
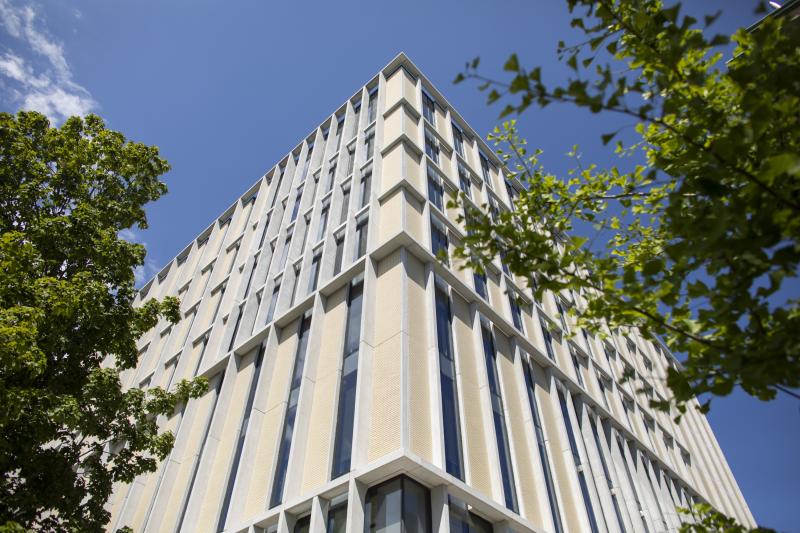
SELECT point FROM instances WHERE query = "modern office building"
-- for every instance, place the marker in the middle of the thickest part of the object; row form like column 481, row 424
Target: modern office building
column 358, row 383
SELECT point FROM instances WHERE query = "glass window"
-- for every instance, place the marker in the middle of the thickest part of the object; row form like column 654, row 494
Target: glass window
column 543, row 455
column 313, row 276
column 439, row 243
column 447, row 371
column 273, row 303
column 573, row 444
column 372, row 106
column 291, row 411
column 562, row 314
column 435, row 190
column 480, row 285
column 369, row 145
column 351, row 159
column 296, row 207
column 458, row 140
column 281, row 171
column 548, row 340
column 325, row 131
column 323, row 221
column 307, row 163
column 463, row 521
column 428, row 108
column 356, row 111
column 516, row 313
column 512, row 195
column 237, row 455
column 366, row 187
column 285, row 253
column 464, row 181
column 337, row 519
column 485, row 171
column 503, row 450
column 398, row 505
column 296, row 278
column 337, row 261
column 236, row 327
column 345, row 204
column 431, row 147
column 576, row 365
column 339, row 131
column 361, row 238
column 331, row 176
column 303, row 524
column 343, row 443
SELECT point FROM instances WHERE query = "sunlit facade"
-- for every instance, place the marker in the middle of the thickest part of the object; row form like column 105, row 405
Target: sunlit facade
column 357, row 383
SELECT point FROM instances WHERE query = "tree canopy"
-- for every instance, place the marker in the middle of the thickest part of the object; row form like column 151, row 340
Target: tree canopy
column 68, row 326
column 693, row 235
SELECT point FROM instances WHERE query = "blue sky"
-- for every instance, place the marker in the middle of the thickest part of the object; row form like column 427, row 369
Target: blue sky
column 227, row 88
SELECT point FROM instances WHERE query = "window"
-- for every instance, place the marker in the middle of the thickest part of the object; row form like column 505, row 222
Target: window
column 485, row 171
column 439, row 244
column 264, row 233
column 345, row 204
column 463, row 181
column 611, row 356
column 302, row 525
column 369, row 146
column 543, row 456
column 307, row 220
column 447, row 371
column 516, row 313
column 428, row 108
column 573, row 444
column 366, row 187
column 480, row 285
column 273, row 303
column 315, row 186
column 339, row 131
column 351, row 159
column 313, row 276
column 285, row 252
column 198, row 458
column 323, row 220
column 337, row 261
column 431, row 147
column 237, row 455
column 562, row 314
column 239, row 313
column 587, row 338
column 548, row 340
column 400, row 504
column 512, row 195
column 372, row 105
column 604, row 385
column 307, row 163
column 609, row 482
column 506, row 469
column 325, row 131
column 458, row 140
column 361, row 238
column 220, row 292
column 576, row 365
column 331, row 176
column 337, row 518
column 356, row 111
column 296, row 270
column 647, row 363
column 435, row 189
column 296, row 208
column 343, row 441
column 291, row 411
column 281, row 171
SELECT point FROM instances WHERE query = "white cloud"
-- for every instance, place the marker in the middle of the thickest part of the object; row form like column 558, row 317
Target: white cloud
column 49, row 87
column 144, row 272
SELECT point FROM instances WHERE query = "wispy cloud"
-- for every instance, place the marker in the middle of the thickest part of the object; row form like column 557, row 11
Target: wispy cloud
column 144, row 272
column 44, row 82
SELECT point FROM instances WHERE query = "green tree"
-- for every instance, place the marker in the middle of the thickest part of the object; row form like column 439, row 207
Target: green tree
column 68, row 430
column 698, row 242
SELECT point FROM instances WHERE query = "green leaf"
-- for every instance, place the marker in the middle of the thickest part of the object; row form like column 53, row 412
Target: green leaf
column 512, row 64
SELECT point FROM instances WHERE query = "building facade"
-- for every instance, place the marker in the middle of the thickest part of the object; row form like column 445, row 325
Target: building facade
column 359, row 383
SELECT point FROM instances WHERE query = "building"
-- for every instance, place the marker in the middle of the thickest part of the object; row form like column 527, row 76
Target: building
column 358, row 383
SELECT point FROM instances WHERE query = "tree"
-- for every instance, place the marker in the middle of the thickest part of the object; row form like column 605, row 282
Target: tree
column 68, row 430
column 697, row 243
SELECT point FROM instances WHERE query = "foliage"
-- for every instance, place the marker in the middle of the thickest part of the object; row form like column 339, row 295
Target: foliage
column 699, row 242
column 702, row 518
column 68, row 430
